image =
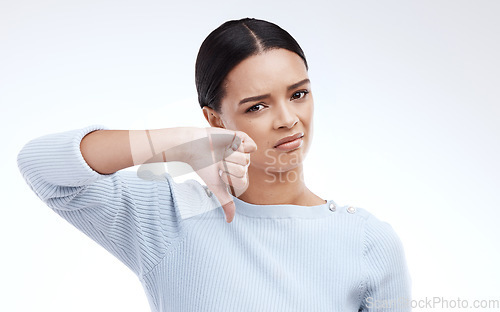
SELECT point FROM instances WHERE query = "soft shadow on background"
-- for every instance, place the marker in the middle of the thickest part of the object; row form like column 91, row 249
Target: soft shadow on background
column 406, row 126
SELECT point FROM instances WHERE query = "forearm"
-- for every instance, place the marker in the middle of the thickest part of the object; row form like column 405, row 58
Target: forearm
column 107, row 151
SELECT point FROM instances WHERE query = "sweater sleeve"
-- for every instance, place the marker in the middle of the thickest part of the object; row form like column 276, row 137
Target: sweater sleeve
column 134, row 219
column 388, row 282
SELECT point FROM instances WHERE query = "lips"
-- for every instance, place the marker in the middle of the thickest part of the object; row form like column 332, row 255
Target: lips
column 289, row 138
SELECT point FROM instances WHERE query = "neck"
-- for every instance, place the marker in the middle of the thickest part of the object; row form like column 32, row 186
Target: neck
column 274, row 188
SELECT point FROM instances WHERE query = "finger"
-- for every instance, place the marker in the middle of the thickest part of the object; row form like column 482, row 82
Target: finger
column 225, row 199
column 235, row 170
column 238, row 183
column 222, row 144
column 248, row 143
column 236, row 141
column 236, row 157
column 228, row 182
column 219, row 188
column 230, row 210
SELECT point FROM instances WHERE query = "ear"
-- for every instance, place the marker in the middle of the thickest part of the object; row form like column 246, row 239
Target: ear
column 212, row 117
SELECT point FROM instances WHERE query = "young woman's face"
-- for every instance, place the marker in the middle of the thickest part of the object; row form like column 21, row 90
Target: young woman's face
column 268, row 96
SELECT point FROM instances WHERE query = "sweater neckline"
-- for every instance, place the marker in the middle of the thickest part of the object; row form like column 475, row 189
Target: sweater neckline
column 285, row 210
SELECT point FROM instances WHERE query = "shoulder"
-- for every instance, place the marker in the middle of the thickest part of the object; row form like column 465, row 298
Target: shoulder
column 387, row 278
column 382, row 246
column 377, row 234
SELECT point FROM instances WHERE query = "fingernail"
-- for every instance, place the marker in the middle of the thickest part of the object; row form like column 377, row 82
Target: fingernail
column 220, row 172
column 234, row 147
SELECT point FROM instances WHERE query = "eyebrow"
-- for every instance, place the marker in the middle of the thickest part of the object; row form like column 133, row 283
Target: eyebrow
column 261, row 97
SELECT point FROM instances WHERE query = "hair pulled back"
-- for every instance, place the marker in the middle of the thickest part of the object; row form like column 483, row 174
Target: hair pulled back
column 228, row 45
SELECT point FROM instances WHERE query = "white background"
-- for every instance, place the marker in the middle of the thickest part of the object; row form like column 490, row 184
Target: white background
column 406, row 126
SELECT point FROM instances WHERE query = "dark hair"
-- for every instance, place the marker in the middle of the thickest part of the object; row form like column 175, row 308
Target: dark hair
column 227, row 46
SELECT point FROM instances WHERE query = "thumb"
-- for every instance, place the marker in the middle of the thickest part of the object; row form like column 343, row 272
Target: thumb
column 221, row 192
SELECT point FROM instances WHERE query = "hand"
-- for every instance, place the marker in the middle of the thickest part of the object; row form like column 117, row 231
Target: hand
column 220, row 166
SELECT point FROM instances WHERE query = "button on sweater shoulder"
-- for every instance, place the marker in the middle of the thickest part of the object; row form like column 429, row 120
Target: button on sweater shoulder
column 174, row 237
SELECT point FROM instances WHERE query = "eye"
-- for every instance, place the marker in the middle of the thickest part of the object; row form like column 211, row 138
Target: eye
column 299, row 94
column 250, row 110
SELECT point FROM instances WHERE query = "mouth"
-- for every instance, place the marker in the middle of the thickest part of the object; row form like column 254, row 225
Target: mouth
column 290, row 141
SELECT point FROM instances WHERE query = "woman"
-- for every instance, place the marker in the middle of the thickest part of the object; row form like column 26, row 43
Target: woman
column 283, row 249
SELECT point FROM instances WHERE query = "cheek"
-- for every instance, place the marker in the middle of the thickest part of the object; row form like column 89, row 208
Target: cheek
column 254, row 132
column 309, row 112
column 308, row 117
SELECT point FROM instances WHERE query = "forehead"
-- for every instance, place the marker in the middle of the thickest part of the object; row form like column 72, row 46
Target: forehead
column 267, row 72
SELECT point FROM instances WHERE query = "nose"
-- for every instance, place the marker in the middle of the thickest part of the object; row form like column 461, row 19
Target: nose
column 285, row 116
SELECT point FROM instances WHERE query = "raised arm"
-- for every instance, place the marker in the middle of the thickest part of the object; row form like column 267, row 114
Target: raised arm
column 107, row 151
column 77, row 174
column 134, row 219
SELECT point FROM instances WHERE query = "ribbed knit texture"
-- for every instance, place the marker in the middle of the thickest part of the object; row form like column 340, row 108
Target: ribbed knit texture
column 174, row 237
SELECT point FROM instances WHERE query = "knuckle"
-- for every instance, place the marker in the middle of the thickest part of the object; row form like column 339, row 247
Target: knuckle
column 243, row 183
column 241, row 172
column 242, row 159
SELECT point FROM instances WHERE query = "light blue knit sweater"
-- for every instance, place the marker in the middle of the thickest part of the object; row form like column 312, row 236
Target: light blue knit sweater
column 174, row 237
